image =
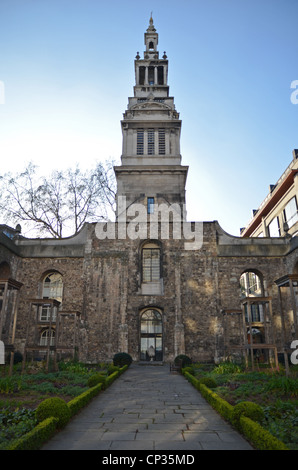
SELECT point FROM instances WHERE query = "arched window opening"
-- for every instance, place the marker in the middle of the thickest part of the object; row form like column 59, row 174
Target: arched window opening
column 151, row 335
column 52, row 288
column 151, row 46
column 251, row 285
column 150, row 262
column 47, row 337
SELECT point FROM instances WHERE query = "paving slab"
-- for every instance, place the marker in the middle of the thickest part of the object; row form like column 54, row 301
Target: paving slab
column 148, row 408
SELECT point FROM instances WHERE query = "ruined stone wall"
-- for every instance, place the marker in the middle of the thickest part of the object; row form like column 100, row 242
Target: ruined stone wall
column 104, row 284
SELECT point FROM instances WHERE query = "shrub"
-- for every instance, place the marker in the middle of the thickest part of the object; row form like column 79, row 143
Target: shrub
column 97, row 379
column 112, row 369
column 223, row 407
column 34, row 439
column 121, row 359
column 227, row 368
column 208, row 381
column 55, row 407
column 186, row 361
column 82, row 400
column 259, row 436
column 188, row 369
column 249, row 410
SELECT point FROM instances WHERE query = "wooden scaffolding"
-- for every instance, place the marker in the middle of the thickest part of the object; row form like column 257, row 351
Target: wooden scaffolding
column 247, row 327
column 9, row 298
column 57, row 323
column 289, row 329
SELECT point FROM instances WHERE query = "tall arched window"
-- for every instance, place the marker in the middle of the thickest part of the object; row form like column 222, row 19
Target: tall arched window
column 151, row 262
column 251, row 285
column 52, row 288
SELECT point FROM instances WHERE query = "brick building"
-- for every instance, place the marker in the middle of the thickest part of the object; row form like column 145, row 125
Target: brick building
column 150, row 283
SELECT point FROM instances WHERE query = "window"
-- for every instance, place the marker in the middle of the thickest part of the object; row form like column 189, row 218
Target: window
column 290, row 212
column 161, row 142
column 250, row 285
column 150, row 263
column 151, row 75
column 140, row 142
column 46, row 337
column 52, row 288
column 151, row 335
column 142, row 75
column 151, row 146
column 256, row 313
column 150, row 205
column 273, row 227
column 160, row 75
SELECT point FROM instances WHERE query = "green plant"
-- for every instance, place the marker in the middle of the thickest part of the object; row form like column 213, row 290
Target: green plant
column 34, row 439
column 97, row 379
column 10, row 385
column 208, row 381
column 283, row 385
column 188, row 369
column 55, row 407
column 121, row 359
column 227, row 368
column 186, row 361
column 13, row 424
column 258, row 436
column 82, row 400
column 112, row 368
column 249, row 409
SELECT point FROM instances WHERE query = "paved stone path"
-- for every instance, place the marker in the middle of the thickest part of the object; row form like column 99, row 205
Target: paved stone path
column 148, row 408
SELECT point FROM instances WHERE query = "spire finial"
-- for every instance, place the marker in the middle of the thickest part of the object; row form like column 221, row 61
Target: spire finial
column 151, row 26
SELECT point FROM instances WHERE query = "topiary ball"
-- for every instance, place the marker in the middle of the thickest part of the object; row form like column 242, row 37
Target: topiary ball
column 53, row 407
column 122, row 359
column 208, row 381
column 96, row 379
column 250, row 410
column 186, row 361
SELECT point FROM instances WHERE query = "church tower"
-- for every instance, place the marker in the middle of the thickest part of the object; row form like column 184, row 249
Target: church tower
column 151, row 171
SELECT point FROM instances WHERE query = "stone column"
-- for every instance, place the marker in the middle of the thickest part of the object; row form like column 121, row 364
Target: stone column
column 179, row 343
column 155, row 76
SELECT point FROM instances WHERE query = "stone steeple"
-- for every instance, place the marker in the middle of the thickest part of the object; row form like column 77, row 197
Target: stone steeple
column 151, row 161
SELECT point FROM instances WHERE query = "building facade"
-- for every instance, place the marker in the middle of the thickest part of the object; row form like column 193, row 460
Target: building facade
column 150, row 284
column 277, row 216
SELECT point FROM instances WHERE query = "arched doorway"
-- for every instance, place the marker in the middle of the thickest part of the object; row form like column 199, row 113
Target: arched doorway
column 151, row 335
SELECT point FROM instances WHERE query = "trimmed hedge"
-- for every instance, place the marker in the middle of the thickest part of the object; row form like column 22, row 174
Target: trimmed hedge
column 259, row 437
column 219, row 404
column 122, row 359
column 82, row 400
column 55, row 407
column 96, row 379
column 34, row 439
column 47, row 428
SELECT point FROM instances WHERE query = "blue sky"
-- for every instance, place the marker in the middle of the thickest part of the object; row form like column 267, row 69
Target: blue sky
column 67, row 67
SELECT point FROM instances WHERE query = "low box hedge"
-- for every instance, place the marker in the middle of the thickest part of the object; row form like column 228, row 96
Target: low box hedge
column 34, row 439
column 82, row 400
column 259, row 437
column 47, row 428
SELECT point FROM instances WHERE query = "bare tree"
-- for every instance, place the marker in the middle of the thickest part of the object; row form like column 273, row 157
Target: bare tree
column 59, row 203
